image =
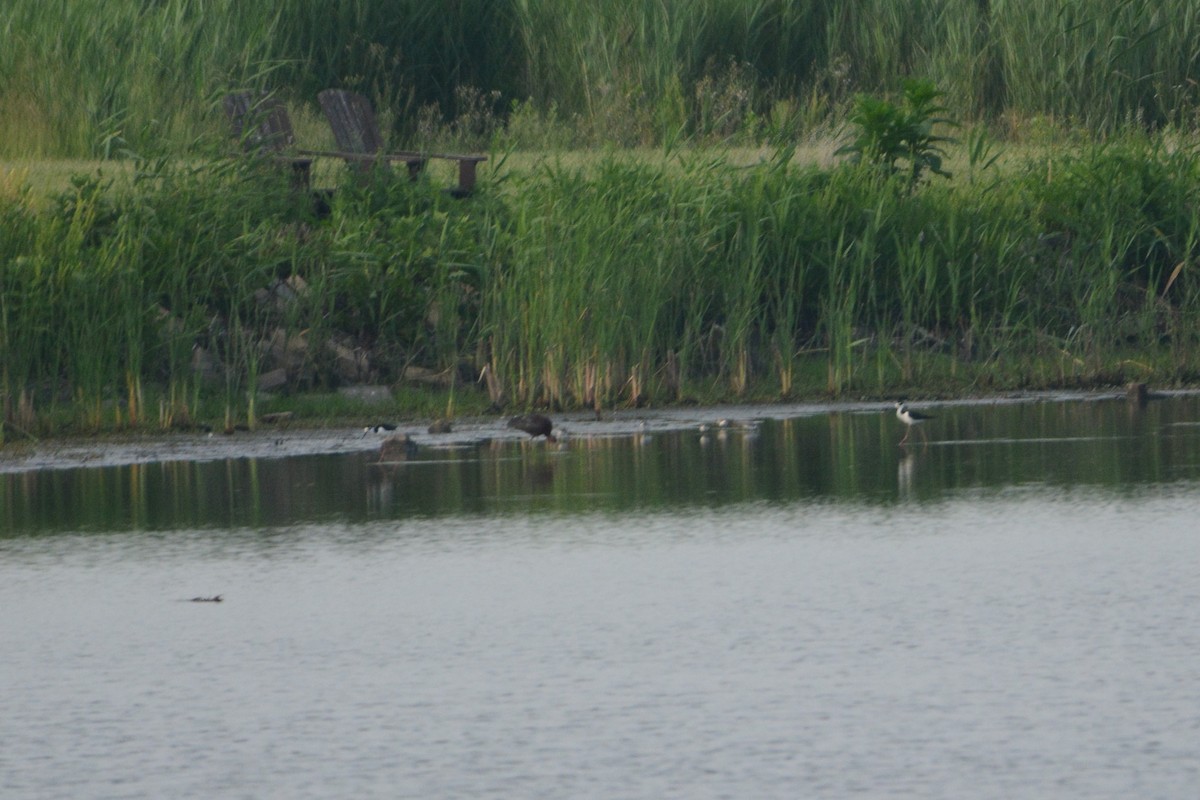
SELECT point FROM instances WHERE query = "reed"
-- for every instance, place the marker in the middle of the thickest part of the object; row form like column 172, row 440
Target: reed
column 623, row 281
column 102, row 79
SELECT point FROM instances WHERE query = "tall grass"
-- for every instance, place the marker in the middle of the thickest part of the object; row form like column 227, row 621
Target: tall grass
column 88, row 78
column 624, row 281
column 756, row 271
column 94, row 78
column 1100, row 63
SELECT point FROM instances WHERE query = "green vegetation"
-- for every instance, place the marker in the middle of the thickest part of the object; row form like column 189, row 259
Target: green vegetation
column 888, row 133
column 178, row 285
column 174, row 293
column 94, row 78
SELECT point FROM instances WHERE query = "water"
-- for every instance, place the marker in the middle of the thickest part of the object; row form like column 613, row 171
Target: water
column 798, row 609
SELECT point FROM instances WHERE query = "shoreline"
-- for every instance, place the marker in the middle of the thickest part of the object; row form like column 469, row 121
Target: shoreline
column 118, row 450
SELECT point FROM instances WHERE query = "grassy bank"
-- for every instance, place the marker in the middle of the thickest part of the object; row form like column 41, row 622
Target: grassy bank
column 96, row 78
column 207, row 291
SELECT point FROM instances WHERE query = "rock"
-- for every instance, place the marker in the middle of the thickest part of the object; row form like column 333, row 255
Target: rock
column 289, row 352
column 273, row 379
column 349, row 365
column 281, row 293
column 207, row 367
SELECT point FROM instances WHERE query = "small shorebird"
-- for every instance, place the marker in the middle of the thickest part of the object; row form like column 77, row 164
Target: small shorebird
column 910, row 419
column 535, row 425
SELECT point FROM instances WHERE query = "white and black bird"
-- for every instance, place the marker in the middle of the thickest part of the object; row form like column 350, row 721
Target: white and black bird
column 910, row 418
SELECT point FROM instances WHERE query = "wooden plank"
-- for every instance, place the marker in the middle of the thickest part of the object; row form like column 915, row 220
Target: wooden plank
column 356, row 132
column 259, row 121
column 261, row 125
column 400, row 155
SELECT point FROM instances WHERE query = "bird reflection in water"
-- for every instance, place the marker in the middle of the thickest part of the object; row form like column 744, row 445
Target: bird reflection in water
column 539, row 476
column 398, row 448
column 906, row 472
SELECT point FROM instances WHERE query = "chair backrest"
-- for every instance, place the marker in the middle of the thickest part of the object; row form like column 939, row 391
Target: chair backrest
column 259, row 121
column 352, row 120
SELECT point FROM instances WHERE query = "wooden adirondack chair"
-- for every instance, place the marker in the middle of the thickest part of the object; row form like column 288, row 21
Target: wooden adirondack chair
column 261, row 125
column 357, row 135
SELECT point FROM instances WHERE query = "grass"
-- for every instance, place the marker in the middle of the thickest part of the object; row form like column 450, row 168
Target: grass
column 101, row 79
column 580, row 280
column 663, row 217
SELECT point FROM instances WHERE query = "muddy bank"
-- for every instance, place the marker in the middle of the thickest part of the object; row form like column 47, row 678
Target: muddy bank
column 284, row 442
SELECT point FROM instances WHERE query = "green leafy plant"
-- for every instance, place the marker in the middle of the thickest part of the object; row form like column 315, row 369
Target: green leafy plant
column 890, row 133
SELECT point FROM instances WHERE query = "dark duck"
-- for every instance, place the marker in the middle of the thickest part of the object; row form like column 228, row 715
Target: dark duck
column 535, row 425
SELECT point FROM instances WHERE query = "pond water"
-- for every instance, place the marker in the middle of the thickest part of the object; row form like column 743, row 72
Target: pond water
column 791, row 606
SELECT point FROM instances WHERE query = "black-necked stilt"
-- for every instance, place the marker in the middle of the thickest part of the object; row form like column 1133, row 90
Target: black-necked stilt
column 382, row 427
column 910, row 418
column 535, row 425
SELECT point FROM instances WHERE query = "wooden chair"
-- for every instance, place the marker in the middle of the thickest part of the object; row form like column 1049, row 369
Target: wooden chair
column 358, row 139
column 261, row 125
